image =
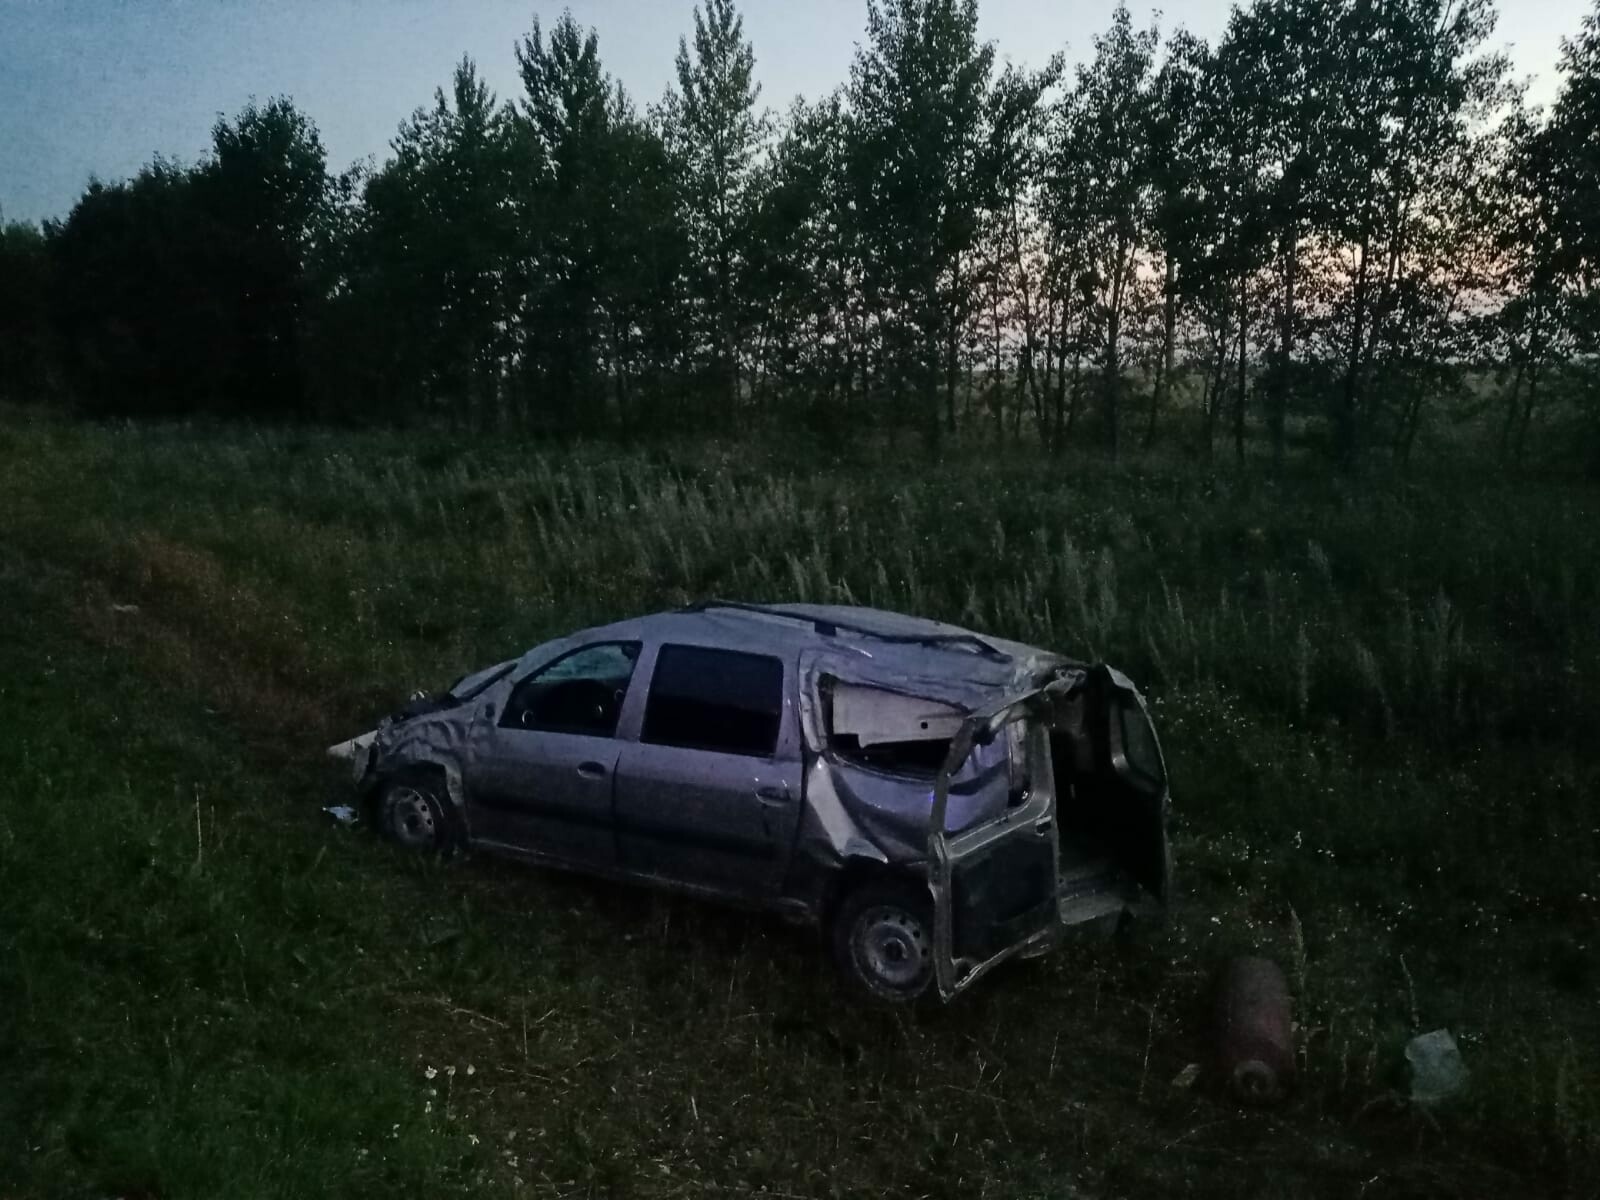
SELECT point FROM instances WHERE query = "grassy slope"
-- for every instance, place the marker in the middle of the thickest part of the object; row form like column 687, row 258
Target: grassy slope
column 1374, row 698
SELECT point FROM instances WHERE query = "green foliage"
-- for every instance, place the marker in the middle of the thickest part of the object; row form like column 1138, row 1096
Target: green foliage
column 1374, row 700
column 189, row 290
column 437, row 244
column 918, row 95
column 601, row 251
column 714, row 134
column 1336, row 231
column 190, row 998
column 25, row 334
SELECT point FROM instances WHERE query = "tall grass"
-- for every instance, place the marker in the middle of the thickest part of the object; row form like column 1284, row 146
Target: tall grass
column 1376, row 695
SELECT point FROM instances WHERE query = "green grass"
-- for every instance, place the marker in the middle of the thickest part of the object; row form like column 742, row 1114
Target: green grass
column 1376, row 697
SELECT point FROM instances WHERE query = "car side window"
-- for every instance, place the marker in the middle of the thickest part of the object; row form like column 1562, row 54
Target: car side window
column 721, row 700
column 581, row 692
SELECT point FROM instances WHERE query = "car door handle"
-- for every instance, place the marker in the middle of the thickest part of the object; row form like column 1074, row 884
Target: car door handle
column 591, row 770
column 772, row 795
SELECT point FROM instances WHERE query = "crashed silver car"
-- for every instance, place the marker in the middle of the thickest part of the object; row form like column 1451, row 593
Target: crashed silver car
column 936, row 801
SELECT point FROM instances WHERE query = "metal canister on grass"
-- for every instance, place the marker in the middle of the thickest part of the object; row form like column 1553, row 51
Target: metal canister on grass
column 1254, row 1031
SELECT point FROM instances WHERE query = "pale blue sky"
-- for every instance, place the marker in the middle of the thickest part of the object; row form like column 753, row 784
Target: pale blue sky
column 100, row 86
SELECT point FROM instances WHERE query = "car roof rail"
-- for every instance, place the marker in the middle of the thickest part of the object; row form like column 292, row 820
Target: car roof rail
column 828, row 627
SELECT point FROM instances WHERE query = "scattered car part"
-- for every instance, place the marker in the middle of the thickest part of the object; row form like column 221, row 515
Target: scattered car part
column 1254, row 1031
column 1437, row 1069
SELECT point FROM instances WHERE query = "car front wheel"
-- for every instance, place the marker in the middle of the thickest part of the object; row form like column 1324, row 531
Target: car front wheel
column 411, row 812
column 883, row 940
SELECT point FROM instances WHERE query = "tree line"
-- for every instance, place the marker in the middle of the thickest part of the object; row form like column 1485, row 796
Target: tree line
column 1338, row 226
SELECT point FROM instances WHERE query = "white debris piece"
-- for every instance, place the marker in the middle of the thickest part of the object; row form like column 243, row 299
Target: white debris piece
column 876, row 716
column 1437, row 1071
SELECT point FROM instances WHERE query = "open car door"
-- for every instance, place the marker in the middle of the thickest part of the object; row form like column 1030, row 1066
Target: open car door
column 1000, row 889
column 995, row 886
column 1131, row 800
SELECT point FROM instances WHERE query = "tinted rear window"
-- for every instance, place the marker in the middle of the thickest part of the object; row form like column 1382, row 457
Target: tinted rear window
column 714, row 700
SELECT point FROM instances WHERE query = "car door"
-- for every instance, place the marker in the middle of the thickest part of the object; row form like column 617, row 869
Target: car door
column 1131, row 815
column 710, row 793
column 542, row 772
column 995, row 885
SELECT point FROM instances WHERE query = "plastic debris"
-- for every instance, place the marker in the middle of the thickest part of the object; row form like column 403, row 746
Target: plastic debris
column 342, row 813
column 1185, row 1079
column 1437, row 1070
column 1255, row 1033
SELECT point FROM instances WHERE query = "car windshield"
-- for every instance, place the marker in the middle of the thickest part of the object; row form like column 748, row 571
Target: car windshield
column 469, row 686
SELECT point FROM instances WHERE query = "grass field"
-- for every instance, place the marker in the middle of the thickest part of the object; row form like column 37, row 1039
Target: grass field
column 1378, row 699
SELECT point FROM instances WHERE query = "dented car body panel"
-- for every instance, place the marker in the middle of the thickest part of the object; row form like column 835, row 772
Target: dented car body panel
column 777, row 756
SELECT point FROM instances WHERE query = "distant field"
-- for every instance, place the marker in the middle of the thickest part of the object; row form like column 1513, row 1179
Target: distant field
column 1379, row 699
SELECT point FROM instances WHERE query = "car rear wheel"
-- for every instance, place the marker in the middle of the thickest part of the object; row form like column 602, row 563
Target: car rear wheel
column 883, row 940
column 411, row 812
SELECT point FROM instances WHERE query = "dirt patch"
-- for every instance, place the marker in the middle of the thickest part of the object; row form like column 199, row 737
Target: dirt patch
column 175, row 609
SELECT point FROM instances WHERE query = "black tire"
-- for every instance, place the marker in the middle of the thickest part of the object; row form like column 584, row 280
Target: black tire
column 413, row 810
column 881, row 936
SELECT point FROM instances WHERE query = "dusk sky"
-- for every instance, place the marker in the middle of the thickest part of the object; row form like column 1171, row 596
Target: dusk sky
column 97, row 87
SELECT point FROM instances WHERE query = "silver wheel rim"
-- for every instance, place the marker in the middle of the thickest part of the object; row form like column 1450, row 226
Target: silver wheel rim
column 411, row 819
column 892, row 947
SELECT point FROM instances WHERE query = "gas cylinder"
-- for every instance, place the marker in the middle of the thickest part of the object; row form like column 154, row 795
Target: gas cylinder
column 1254, row 1031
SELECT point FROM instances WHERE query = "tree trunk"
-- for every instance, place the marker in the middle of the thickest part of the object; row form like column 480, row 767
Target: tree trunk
column 1077, row 379
column 1113, row 375
column 1059, row 432
column 1512, row 409
column 1046, row 389
column 994, row 391
column 1411, row 423
column 1169, row 327
column 1244, row 353
column 1214, row 391
column 1535, row 370
column 951, row 372
column 1280, row 384
column 929, row 369
column 1348, row 432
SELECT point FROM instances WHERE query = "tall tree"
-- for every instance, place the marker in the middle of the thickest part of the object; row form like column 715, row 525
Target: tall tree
column 918, row 96
column 1284, row 57
column 265, row 190
column 1015, row 147
column 1230, row 233
column 1172, row 143
column 440, row 247
column 567, row 208
column 716, row 134
column 133, row 305
column 25, row 337
column 1106, row 134
column 806, row 270
column 1571, row 151
column 1410, row 92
